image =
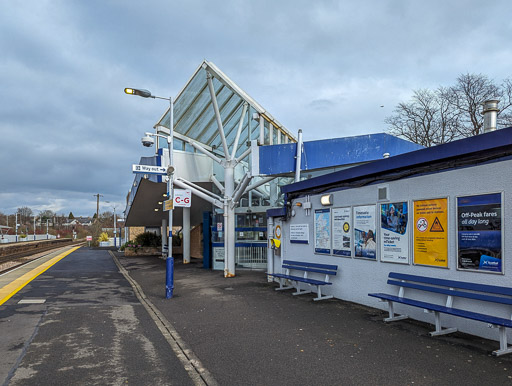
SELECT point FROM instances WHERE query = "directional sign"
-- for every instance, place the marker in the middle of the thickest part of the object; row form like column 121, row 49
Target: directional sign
column 182, row 197
column 168, row 205
column 148, row 169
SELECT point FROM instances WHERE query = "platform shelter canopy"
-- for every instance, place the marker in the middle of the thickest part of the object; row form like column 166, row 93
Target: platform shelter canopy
column 194, row 114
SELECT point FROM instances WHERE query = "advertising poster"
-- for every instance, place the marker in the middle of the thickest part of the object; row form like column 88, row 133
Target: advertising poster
column 364, row 232
column 299, row 233
column 341, row 231
column 430, row 232
column 394, row 238
column 479, row 233
column 322, row 231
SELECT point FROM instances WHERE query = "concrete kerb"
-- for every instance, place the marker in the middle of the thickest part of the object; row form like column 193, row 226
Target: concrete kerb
column 197, row 372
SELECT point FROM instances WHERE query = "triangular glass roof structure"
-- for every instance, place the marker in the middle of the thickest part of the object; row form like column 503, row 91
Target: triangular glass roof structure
column 194, row 116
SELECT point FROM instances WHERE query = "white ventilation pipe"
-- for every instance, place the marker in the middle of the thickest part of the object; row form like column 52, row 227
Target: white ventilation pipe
column 490, row 113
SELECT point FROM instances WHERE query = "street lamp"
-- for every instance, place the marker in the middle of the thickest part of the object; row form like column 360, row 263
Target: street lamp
column 148, row 141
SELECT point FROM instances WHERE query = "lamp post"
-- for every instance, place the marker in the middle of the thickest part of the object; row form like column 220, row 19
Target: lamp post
column 169, row 266
column 115, row 225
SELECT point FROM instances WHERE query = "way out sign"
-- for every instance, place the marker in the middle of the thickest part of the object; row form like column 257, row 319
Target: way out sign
column 182, row 197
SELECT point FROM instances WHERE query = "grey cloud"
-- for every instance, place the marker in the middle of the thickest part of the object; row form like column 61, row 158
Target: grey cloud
column 67, row 131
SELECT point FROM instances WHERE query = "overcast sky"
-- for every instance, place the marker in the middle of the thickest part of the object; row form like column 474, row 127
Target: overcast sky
column 67, row 130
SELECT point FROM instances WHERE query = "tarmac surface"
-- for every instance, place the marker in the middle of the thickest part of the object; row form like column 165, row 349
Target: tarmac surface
column 108, row 324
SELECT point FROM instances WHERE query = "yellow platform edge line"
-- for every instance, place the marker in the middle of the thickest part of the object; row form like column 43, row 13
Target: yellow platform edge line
column 29, row 276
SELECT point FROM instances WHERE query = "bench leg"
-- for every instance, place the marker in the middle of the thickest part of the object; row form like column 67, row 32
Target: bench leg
column 319, row 295
column 504, row 349
column 281, row 286
column 392, row 317
column 439, row 330
column 299, row 292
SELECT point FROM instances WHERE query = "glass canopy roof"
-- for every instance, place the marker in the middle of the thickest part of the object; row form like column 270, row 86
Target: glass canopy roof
column 194, row 116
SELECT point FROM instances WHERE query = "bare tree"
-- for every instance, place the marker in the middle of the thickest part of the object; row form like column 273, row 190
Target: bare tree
column 426, row 119
column 25, row 213
column 467, row 96
column 448, row 113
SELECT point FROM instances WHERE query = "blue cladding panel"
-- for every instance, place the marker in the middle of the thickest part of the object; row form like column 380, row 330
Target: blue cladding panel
column 278, row 159
column 499, row 139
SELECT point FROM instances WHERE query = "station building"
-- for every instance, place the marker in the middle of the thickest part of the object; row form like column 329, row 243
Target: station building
column 439, row 212
column 370, row 204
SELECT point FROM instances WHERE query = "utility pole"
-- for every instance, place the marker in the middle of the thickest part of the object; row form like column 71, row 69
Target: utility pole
column 97, row 205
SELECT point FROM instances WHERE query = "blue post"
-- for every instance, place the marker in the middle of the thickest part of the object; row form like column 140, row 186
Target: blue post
column 169, row 277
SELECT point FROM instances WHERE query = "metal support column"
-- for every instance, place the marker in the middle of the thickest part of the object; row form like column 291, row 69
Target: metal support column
column 229, row 244
column 298, row 157
column 186, row 235
column 270, row 251
column 163, row 232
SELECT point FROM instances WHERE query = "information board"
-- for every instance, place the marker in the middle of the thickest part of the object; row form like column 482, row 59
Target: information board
column 430, row 232
column 394, row 235
column 323, row 231
column 299, row 233
column 365, row 245
column 479, row 233
column 341, row 231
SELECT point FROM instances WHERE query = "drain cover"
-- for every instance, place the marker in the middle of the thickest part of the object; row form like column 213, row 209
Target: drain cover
column 32, row 301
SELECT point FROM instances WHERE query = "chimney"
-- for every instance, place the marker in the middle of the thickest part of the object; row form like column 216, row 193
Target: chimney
column 490, row 113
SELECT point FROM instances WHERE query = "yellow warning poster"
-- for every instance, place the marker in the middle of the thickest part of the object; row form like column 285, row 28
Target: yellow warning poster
column 431, row 232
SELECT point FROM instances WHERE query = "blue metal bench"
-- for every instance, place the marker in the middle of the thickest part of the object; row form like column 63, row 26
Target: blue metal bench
column 289, row 265
column 452, row 289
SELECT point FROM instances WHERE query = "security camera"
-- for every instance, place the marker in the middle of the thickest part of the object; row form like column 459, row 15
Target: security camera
column 147, row 141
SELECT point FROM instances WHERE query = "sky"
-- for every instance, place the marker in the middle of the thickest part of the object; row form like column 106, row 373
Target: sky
column 330, row 68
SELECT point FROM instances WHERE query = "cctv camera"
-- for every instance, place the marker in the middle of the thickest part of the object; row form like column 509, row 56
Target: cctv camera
column 147, row 141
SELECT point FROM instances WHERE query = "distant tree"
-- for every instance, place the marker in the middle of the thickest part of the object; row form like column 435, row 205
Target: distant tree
column 95, row 216
column 70, row 216
column 433, row 117
column 24, row 214
column 46, row 215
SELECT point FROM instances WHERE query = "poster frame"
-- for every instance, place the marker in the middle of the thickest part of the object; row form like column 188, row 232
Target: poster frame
column 409, row 224
column 351, row 255
column 503, row 233
column 320, row 251
column 375, row 205
column 448, row 237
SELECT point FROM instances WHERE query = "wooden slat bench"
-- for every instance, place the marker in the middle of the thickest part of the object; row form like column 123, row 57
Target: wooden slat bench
column 288, row 266
column 452, row 289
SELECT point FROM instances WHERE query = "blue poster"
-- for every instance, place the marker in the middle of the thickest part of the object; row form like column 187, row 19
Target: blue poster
column 479, row 232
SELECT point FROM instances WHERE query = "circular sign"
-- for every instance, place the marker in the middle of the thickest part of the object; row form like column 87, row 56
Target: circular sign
column 422, row 224
column 277, row 232
column 346, row 227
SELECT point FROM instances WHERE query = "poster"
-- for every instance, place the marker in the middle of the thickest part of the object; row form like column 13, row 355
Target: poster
column 299, row 233
column 430, row 232
column 479, row 233
column 394, row 238
column 322, row 231
column 364, row 232
column 341, row 231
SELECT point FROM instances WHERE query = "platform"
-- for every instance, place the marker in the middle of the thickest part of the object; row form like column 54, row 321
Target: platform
column 84, row 324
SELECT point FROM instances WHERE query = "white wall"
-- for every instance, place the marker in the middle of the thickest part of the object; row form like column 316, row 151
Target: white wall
column 12, row 238
column 358, row 277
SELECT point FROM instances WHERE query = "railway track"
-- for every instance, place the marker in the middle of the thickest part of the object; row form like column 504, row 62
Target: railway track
column 15, row 260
